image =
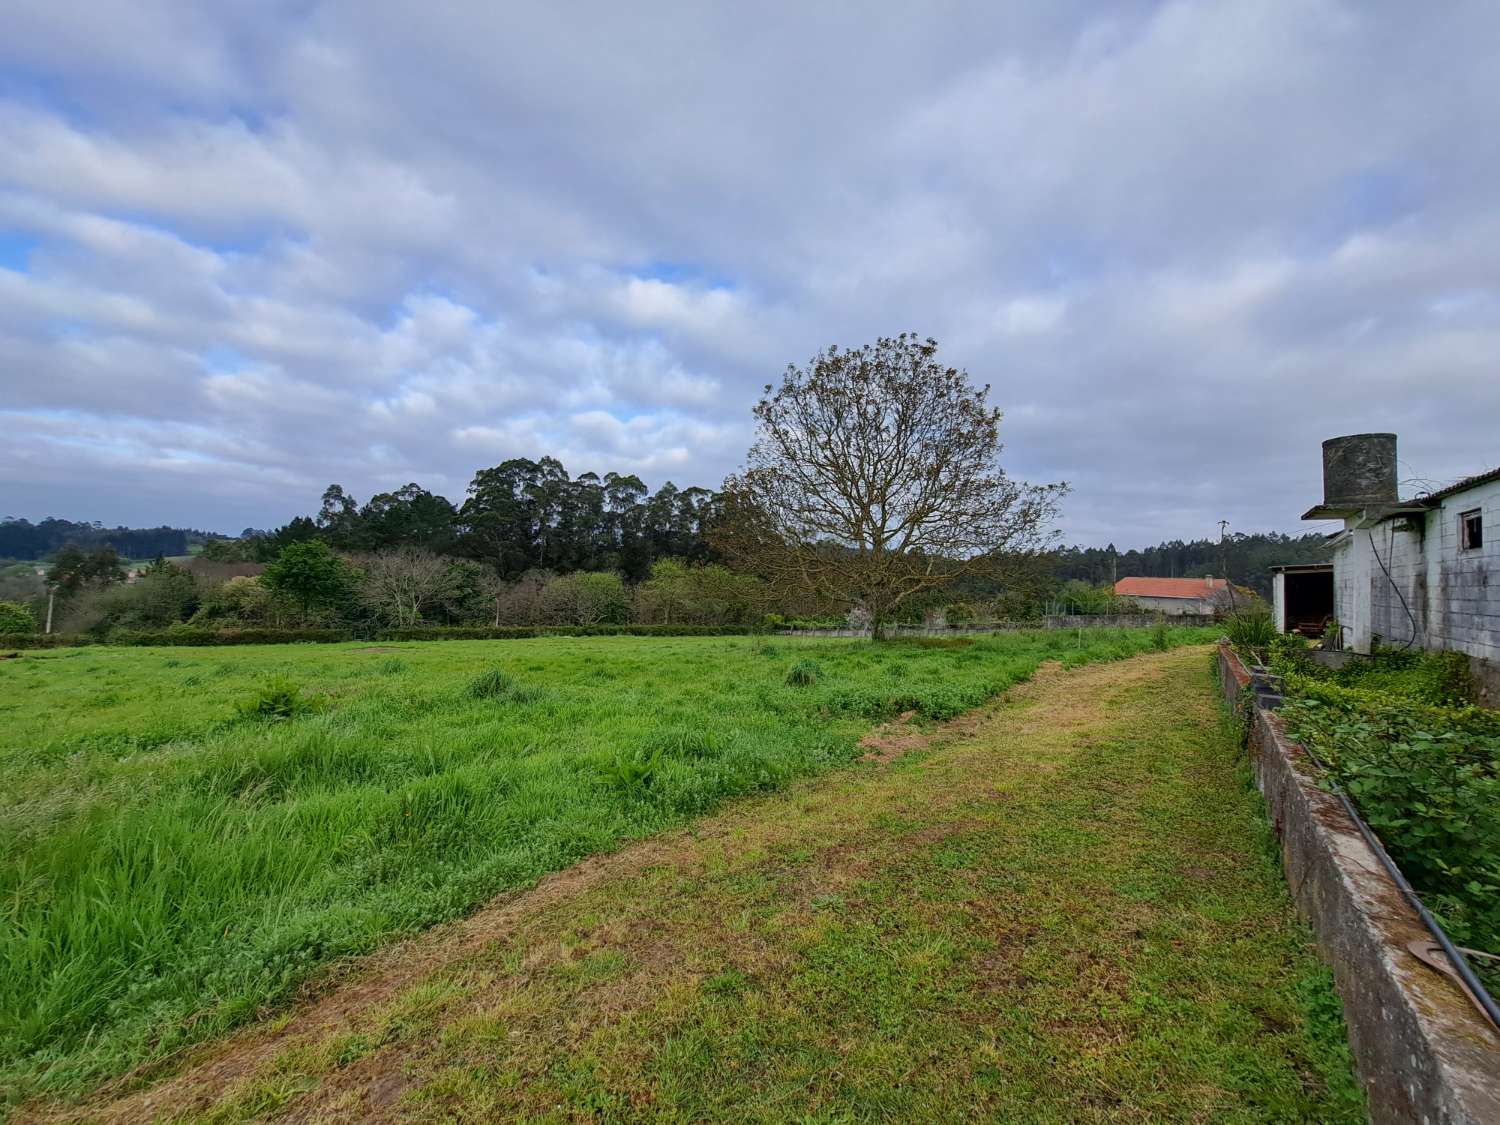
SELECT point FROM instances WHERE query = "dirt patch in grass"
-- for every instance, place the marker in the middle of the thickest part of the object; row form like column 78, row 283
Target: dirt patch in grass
column 1018, row 925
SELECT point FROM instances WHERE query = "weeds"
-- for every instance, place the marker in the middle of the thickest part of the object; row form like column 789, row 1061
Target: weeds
column 1161, row 639
column 277, row 699
column 630, row 770
column 1251, row 631
column 489, row 684
column 804, row 673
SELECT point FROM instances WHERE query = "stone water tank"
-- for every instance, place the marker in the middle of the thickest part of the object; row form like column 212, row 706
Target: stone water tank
column 1359, row 471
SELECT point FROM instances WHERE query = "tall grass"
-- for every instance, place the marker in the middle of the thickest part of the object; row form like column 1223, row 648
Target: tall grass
column 168, row 868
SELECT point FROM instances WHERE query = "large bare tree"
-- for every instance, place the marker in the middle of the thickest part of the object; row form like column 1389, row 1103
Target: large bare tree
column 401, row 582
column 875, row 476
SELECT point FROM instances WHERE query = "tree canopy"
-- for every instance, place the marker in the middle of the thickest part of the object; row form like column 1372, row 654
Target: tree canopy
column 874, row 477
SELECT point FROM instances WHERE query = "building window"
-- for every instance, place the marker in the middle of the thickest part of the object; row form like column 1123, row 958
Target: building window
column 1470, row 530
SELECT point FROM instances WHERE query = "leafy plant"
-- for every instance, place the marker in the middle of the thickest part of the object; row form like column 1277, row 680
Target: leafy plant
column 277, row 699
column 1427, row 779
column 1161, row 640
column 804, row 673
column 16, row 618
column 632, row 769
column 1251, row 630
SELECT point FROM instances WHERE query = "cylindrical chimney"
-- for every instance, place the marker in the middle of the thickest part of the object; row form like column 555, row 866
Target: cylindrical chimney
column 1359, row 471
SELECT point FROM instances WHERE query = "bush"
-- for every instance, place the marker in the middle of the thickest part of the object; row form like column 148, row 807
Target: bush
column 519, row 632
column 489, row 684
column 189, row 636
column 16, row 618
column 1160, row 639
column 45, row 640
column 277, row 699
column 804, row 673
column 586, row 598
column 1427, row 779
column 1440, row 679
column 633, row 769
column 1251, row 631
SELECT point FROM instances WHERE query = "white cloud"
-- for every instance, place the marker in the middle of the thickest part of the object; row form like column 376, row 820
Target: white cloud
column 312, row 242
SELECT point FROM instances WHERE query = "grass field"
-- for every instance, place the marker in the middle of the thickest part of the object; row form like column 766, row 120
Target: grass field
column 1065, row 908
column 169, row 867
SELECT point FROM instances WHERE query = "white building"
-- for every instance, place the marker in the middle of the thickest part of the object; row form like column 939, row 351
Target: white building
column 1176, row 597
column 1302, row 598
column 1412, row 572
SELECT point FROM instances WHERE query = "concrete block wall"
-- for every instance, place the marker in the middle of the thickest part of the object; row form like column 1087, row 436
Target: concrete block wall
column 1423, row 1052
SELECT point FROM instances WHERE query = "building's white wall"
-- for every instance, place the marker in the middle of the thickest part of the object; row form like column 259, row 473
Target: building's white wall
column 1401, row 584
column 1174, row 607
column 1278, row 601
column 1464, row 586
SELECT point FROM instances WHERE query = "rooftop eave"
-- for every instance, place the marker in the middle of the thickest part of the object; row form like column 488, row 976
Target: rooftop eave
column 1370, row 516
column 1323, row 512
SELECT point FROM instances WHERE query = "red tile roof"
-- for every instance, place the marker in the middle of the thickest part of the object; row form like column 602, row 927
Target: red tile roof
column 1170, row 587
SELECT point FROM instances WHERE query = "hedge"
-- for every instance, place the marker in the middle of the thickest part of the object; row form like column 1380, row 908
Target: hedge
column 178, row 636
column 45, row 640
column 255, row 636
column 515, row 632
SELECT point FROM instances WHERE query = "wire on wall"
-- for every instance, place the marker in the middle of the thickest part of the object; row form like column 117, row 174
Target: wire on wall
column 1411, row 640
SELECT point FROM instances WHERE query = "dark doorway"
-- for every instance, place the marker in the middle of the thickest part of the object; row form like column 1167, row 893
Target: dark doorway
column 1309, row 601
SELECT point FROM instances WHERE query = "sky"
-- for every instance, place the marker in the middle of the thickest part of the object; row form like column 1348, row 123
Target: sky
column 251, row 248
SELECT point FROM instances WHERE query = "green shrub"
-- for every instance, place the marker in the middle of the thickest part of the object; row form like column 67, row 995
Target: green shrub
column 276, row 699
column 804, row 673
column 16, row 618
column 1161, row 640
column 1251, row 631
column 45, row 640
column 489, row 684
column 1427, row 779
column 187, row 635
column 632, row 769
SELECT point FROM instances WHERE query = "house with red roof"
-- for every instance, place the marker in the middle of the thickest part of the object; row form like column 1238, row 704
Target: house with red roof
column 1175, row 597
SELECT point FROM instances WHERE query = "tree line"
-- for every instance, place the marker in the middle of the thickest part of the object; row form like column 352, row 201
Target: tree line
column 873, row 489
column 1244, row 558
column 519, row 516
column 21, row 539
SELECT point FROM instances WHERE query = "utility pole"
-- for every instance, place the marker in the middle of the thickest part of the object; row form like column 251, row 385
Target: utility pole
column 1224, row 560
column 51, row 594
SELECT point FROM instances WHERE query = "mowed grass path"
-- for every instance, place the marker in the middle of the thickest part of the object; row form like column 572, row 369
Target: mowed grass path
column 168, row 870
column 1067, row 909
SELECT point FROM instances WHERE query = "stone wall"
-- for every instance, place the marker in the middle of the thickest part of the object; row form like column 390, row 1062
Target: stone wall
column 1054, row 621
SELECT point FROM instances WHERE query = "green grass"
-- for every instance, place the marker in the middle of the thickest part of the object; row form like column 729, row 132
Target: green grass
column 188, row 834
column 1073, row 911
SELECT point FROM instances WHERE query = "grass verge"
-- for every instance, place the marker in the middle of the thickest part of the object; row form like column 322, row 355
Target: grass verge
column 1068, row 910
column 189, row 834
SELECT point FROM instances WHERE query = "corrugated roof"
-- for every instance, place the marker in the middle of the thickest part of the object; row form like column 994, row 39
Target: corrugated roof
column 1170, row 587
column 1463, row 485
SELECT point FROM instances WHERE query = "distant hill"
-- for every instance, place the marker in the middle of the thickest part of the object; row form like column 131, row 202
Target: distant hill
column 27, row 541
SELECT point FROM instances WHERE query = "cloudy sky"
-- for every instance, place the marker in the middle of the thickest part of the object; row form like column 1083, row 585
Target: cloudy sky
column 247, row 249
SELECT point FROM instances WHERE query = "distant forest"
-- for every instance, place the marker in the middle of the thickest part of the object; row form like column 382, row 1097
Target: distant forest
column 1244, row 559
column 526, row 515
column 27, row 541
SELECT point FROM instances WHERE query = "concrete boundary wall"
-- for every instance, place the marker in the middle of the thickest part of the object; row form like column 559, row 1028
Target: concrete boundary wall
column 1053, row 621
column 1423, row 1052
